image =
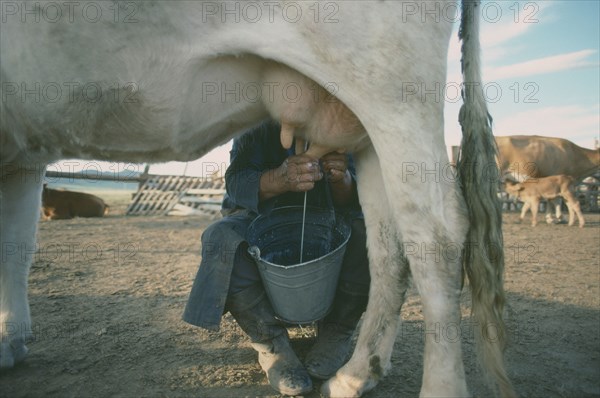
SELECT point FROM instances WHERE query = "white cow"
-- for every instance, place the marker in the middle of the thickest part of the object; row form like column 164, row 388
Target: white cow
column 156, row 81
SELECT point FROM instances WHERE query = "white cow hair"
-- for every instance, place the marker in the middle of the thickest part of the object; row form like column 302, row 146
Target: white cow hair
column 172, row 61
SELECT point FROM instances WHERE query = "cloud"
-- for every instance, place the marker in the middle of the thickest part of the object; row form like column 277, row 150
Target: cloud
column 216, row 161
column 494, row 34
column 501, row 23
column 503, row 32
column 554, row 63
column 491, row 37
column 577, row 123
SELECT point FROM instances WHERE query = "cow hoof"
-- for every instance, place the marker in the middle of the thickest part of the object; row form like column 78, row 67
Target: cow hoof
column 337, row 387
column 342, row 385
column 12, row 353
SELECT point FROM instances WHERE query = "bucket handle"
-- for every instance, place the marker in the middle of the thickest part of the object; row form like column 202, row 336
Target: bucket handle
column 254, row 252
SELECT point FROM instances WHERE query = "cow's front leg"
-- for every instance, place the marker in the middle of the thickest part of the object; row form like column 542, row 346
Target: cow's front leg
column 20, row 197
column 555, row 217
column 535, row 205
column 389, row 281
column 558, row 209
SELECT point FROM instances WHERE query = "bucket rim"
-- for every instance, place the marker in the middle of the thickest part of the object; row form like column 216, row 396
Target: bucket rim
column 254, row 250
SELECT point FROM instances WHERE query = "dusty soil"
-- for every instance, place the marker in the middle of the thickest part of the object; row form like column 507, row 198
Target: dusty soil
column 107, row 297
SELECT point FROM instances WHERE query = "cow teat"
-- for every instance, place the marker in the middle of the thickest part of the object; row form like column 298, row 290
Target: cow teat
column 286, row 135
column 316, row 151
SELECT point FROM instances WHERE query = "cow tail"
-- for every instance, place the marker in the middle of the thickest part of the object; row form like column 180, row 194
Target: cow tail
column 483, row 254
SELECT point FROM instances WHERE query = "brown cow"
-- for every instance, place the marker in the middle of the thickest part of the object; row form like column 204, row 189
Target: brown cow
column 526, row 156
column 533, row 156
column 62, row 205
column 533, row 190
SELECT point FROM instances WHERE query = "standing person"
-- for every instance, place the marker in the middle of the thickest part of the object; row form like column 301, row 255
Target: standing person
column 262, row 176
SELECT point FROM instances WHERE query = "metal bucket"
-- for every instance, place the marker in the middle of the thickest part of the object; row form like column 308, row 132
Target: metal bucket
column 299, row 292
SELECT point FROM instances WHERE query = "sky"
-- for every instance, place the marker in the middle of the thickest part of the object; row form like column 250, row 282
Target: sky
column 541, row 72
column 540, row 69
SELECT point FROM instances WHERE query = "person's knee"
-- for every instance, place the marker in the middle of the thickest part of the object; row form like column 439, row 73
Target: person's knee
column 216, row 230
column 212, row 238
column 245, row 272
column 218, row 236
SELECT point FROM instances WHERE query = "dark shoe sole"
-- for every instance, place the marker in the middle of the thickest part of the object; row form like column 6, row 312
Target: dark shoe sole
column 320, row 376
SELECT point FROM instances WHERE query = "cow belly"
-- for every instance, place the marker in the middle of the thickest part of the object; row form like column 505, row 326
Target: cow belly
column 181, row 82
column 214, row 100
column 163, row 121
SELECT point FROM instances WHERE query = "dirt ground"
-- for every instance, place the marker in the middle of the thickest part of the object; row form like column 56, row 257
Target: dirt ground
column 107, row 297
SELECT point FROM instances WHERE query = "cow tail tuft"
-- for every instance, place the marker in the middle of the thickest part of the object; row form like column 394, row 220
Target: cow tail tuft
column 483, row 254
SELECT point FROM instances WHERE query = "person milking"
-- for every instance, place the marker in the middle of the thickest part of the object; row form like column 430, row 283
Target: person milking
column 263, row 176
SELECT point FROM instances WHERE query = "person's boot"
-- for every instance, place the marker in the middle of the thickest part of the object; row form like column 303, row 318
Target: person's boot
column 334, row 336
column 253, row 312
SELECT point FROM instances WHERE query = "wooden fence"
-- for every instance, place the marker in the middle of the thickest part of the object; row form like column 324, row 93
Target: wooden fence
column 165, row 194
column 177, row 195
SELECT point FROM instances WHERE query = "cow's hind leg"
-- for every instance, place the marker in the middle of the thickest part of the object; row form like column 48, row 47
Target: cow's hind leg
column 20, row 197
column 432, row 222
column 574, row 209
column 389, row 281
column 524, row 210
column 577, row 209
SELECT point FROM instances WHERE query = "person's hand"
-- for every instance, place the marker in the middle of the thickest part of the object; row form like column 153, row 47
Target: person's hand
column 298, row 173
column 335, row 166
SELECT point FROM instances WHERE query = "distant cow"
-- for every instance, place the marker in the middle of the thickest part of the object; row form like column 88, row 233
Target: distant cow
column 532, row 191
column 521, row 157
column 62, row 205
